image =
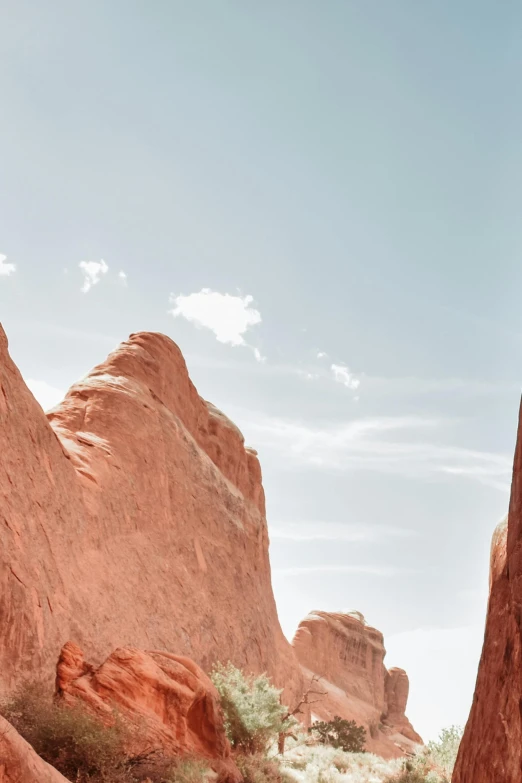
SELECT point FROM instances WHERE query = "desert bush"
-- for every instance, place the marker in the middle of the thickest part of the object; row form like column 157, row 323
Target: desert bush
column 162, row 769
column 86, row 751
column 254, row 716
column 418, row 769
column 324, row 764
column 443, row 752
column 257, row 768
column 69, row 738
column 340, row 733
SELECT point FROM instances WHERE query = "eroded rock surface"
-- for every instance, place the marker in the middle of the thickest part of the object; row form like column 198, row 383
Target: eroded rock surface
column 18, row 761
column 168, row 701
column 491, row 748
column 132, row 515
column 348, row 655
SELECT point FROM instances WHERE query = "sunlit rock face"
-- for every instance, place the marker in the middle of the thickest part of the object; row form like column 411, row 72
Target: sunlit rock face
column 132, row 515
column 348, row 656
column 166, row 701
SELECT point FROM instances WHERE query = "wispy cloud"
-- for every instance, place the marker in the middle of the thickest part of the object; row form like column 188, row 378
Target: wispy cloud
column 394, row 445
column 93, row 271
column 123, row 277
column 228, row 317
column 6, row 268
column 336, row 531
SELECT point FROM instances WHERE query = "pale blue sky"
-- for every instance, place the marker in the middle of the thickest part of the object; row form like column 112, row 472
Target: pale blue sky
column 356, row 168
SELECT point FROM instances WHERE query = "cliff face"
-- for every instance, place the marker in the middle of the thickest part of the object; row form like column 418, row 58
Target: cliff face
column 491, row 748
column 132, row 515
column 348, row 655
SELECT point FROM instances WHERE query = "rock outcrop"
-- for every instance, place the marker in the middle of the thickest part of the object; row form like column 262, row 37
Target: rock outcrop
column 491, row 748
column 132, row 515
column 19, row 763
column 169, row 703
column 348, row 656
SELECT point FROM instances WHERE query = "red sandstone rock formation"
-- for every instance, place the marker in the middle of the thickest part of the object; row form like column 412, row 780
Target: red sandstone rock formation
column 18, row 761
column 132, row 515
column 491, row 749
column 168, row 700
column 348, row 655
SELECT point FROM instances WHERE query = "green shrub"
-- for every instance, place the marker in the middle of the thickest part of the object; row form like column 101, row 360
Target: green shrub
column 340, row 733
column 443, row 752
column 254, row 716
column 70, row 739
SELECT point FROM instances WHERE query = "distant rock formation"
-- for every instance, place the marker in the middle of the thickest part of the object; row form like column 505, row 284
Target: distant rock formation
column 491, row 748
column 132, row 515
column 348, row 655
column 168, row 701
column 19, row 763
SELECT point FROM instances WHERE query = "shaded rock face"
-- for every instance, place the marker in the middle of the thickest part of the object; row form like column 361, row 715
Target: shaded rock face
column 491, row 748
column 132, row 515
column 19, row 763
column 168, row 700
column 348, row 655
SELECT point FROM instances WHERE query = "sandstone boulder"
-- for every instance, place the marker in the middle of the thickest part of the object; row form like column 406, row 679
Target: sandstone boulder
column 168, row 701
column 18, row 761
column 348, row 656
column 132, row 515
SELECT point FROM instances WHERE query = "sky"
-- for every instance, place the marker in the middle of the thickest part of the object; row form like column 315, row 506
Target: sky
column 319, row 202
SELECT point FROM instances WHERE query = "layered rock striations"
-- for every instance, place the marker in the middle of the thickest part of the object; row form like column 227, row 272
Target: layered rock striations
column 348, row 656
column 132, row 515
column 491, row 748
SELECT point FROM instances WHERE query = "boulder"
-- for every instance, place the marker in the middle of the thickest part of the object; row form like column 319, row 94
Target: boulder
column 167, row 701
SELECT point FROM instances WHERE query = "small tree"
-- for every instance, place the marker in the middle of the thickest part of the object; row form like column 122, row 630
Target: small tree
column 340, row 733
column 443, row 752
column 254, row 716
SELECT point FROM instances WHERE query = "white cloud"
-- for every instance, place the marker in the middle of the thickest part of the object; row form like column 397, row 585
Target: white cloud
column 321, row 355
column 92, row 273
column 336, row 531
column 123, row 277
column 48, row 396
column 6, row 269
column 343, row 375
column 229, row 317
column 375, row 444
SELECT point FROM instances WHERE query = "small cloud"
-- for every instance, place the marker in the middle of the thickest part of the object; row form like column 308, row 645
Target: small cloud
column 321, row 355
column 343, row 375
column 6, row 269
column 229, row 317
column 48, row 396
column 123, row 277
column 258, row 355
column 92, row 273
